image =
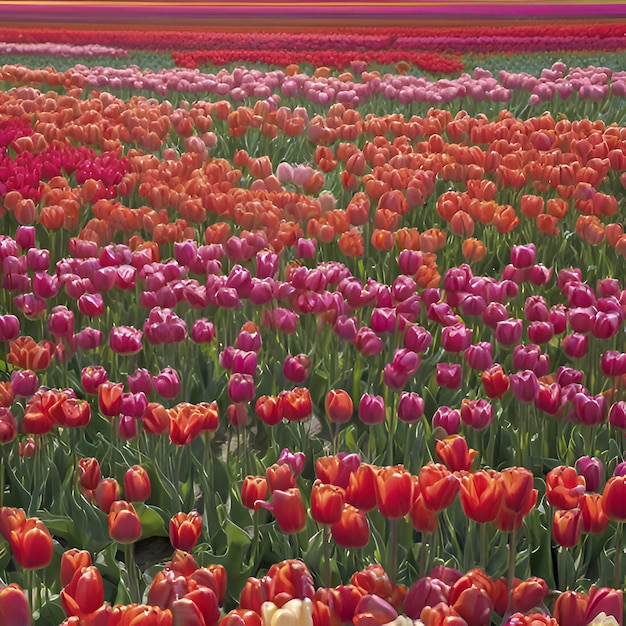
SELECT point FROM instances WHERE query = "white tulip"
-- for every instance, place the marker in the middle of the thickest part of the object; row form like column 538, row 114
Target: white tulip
column 296, row 612
column 602, row 619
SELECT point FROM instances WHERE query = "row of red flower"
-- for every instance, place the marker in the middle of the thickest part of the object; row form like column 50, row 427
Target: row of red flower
column 514, row 38
column 425, row 61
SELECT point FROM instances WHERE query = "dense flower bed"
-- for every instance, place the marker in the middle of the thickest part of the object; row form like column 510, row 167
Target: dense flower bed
column 341, row 364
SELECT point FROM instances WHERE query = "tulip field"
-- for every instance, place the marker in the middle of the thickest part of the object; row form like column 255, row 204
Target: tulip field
column 313, row 329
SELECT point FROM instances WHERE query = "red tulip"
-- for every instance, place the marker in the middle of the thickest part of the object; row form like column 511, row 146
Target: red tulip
column 569, row 608
column 352, row 530
column 454, row 452
column 32, row 544
column 14, row 609
column 72, row 561
column 394, row 491
column 438, row 486
column 253, row 490
column 481, row 495
column 241, row 617
column 124, row 524
column 185, row 530
column 327, row 503
column 288, row 509
column 361, row 488
column 84, row 594
column 106, row 493
column 564, row 487
column 136, row 484
column 614, row 498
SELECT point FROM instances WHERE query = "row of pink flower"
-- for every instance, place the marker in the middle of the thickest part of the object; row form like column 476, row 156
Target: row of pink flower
column 513, row 38
column 242, row 83
column 362, row 314
column 61, row 50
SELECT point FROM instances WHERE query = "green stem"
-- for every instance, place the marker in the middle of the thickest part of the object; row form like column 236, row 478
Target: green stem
column 131, row 568
column 426, row 538
column 393, row 552
column 327, row 570
column 511, row 572
column 483, row 546
column 618, row 556
column 1, row 476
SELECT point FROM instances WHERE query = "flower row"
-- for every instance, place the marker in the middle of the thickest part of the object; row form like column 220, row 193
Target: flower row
column 62, row 50
column 513, row 38
column 587, row 84
column 425, row 61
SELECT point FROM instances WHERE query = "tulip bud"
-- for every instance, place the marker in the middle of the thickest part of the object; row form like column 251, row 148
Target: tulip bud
column 136, row 484
column 123, row 521
column 288, row 509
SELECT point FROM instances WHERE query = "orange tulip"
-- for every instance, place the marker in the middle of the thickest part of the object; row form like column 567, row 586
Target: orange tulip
column 548, row 224
column 423, row 519
column 454, row 452
column 473, row 250
column 339, row 407
column 351, row 243
column 186, row 423
column 505, row 219
column 133, row 614
column 532, row 206
column 590, row 229
column 26, row 354
column 569, row 608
